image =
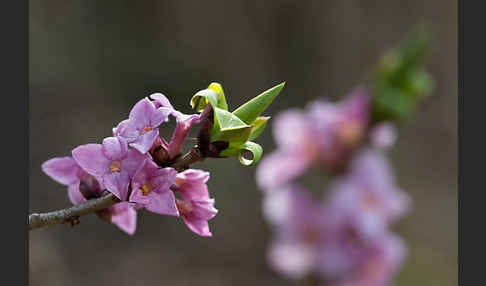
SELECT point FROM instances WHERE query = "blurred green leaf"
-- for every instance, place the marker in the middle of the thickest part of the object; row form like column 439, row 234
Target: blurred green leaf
column 250, row 110
column 401, row 81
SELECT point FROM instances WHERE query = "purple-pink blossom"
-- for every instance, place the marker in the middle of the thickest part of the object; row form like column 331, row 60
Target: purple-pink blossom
column 383, row 135
column 196, row 207
column 323, row 135
column 314, row 238
column 83, row 186
column 184, row 123
column 302, row 227
column 377, row 265
column 140, row 130
column 111, row 161
column 151, row 189
column 66, row 171
column 368, row 195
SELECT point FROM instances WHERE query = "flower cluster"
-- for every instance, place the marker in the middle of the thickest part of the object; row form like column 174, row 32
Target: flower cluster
column 134, row 165
column 144, row 171
column 344, row 238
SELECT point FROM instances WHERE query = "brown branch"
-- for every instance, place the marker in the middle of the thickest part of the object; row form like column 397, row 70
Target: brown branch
column 71, row 215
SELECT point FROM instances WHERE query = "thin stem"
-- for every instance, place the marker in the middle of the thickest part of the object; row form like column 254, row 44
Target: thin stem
column 71, row 215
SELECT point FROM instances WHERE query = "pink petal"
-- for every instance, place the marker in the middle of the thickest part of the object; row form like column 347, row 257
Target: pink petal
column 279, row 168
column 126, row 130
column 158, row 116
column 114, row 148
column 143, row 174
column 291, row 128
column 194, row 176
column 163, row 179
column 197, row 225
column 140, row 113
column 64, row 170
column 291, row 259
column 192, row 184
column 133, row 162
column 92, row 159
column 120, row 128
column 144, row 142
column 138, row 197
column 384, row 135
column 163, row 203
column 183, row 127
column 204, row 209
column 117, row 183
column 161, row 100
column 124, row 216
column 75, row 195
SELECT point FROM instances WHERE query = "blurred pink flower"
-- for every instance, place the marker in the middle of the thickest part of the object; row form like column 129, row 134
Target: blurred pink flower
column 383, row 135
column 375, row 265
column 368, row 195
column 324, row 135
column 301, row 227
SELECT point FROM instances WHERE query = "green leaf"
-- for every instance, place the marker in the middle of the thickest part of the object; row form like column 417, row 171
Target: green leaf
column 256, row 151
column 401, row 80
column 204, row 97
column 228, row 127
column 213, row 95
column 258, row 126
column 249, row 111
column 252, row 147
column 221, row 99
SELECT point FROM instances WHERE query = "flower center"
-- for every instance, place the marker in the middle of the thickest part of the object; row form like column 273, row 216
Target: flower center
column 370, row 201
column 115, row 167
column 146, row 129
column 183, row 206
column 146, row 188
column 311, row 235
column 350, row 133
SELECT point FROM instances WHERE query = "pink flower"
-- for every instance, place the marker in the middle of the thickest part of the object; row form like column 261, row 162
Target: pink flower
column 124, row 216
column 151, row 188
column 82, row 186
column 66, row 171
column 196, row 208
column 141, row 128
column 384, row 135
column 323, row 135
column 368, row 194
column 112, row 162
column 302, row 228
column 380, row 264
column 184, row 123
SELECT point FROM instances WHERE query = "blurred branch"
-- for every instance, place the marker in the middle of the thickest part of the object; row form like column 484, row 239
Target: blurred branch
column 71, row 215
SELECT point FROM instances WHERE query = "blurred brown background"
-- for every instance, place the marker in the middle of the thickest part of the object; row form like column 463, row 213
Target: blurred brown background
column 90, row 61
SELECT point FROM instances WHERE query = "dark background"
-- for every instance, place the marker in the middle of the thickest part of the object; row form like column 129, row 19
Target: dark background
column 90, row 61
